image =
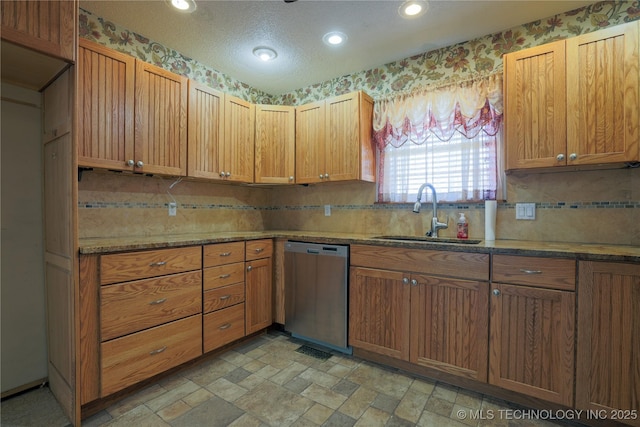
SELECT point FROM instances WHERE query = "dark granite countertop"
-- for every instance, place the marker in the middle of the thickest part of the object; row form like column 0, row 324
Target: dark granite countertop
column 581, row 251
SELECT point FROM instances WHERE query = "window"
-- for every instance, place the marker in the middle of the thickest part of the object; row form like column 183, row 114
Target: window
column 461, row 169
column 448, row 136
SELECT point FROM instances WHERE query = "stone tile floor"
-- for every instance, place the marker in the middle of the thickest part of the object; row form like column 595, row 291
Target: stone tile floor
column 266, row 382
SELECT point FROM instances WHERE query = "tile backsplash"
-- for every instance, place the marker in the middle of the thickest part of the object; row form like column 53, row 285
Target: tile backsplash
column 574, row 206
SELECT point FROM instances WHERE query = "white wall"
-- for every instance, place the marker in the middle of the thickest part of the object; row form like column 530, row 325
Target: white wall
column 23, row 352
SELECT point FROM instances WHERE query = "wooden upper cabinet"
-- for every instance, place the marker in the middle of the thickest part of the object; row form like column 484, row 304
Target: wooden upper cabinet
column 48, row 27
column 310, row 135
column 206, row 131
column 603, row 81
column 334, row 140
column 275, row 144
column 238, row 143
column 608, row 356
column 535, row 106
column 160, row 121
column 574, row 102
column 349, row 153
column 105, row 107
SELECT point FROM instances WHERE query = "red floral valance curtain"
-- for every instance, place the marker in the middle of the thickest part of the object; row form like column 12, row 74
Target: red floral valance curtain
column 463, row 117
column 466, row 107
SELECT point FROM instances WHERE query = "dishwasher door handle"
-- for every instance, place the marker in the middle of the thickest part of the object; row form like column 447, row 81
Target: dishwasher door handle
column 313, row 251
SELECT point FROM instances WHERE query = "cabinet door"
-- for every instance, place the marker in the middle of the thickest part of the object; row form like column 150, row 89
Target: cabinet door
column 603, row 77
column 608, row 363
column 239, row 128
column 532, row 341
column 379, row 303
column 105, row 107
column 46, row 26
column 275, row 144
column 450, row 325
column 206, row 131
column 310, row 136
column 161, row 121
column 535, row 105
column 342, row 141
column 259, row 300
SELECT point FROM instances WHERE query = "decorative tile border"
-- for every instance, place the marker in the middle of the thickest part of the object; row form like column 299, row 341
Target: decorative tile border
column 627, row 204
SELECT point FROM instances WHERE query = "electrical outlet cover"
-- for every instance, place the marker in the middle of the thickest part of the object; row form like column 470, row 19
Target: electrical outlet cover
column 172, row 209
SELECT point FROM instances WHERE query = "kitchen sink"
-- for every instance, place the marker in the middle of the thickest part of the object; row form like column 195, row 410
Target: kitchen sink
column 428, row 239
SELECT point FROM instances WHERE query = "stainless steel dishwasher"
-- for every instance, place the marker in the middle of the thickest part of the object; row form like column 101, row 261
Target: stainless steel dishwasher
column 316, row 288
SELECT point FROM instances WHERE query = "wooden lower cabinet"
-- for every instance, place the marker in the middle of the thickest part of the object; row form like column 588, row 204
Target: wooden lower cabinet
column 608, row 362
column 223, row 326
column 133, row 358
column 532, row 341
column 378, row 311
column 133, row 306
column 259, row 295
column 449, row 325
column 532, row 332
column 436, row 322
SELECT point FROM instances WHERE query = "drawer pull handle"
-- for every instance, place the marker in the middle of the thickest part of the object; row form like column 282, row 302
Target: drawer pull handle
column 158, row 264
column 258, row 250
column 225, row 276
column 225, row 254
column 225, row 297
column 158, row 351
column 158, row 301
column 525, row 271
column 225, row 326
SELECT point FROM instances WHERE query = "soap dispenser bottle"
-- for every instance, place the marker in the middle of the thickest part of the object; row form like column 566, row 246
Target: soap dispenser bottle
column 463, row 227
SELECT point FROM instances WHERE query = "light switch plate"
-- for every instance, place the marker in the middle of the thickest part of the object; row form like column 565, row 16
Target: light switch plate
column 327, row 210
column 526, row 211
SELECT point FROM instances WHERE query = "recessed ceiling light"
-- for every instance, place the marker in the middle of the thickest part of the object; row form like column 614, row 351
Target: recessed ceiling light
column 412, row 8
column 265, row 53
column 183, row 5
column 334, row 38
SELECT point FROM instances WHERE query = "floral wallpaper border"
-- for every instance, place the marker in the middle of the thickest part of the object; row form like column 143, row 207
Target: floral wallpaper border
column 456, row 62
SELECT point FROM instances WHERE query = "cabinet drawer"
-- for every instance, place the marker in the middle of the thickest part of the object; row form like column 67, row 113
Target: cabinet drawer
column 223, row 253
column 215, row 277
column 552, row 273
column 464, row 265
column 133, row 358
column 226, row 296
column 257, row 249
column 123, row 267
column 223, row 326
column 134, row 306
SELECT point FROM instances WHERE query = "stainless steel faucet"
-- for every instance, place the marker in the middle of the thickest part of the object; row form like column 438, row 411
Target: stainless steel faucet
column 435, row 224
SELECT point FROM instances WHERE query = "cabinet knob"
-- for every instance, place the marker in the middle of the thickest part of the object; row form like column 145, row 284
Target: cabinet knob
column 560, row 157
column 221, row 174
column 573, row 156
column 414, row 282
column 130, row 162
column 228, row 174
column 249, row 268
column 496, row 292
column 321, row 176
column 326, row 176
column 405, row 280
column 290, row 178
column 139, row 163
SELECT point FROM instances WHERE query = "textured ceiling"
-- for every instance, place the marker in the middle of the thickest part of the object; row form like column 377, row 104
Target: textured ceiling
column 222, row 34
